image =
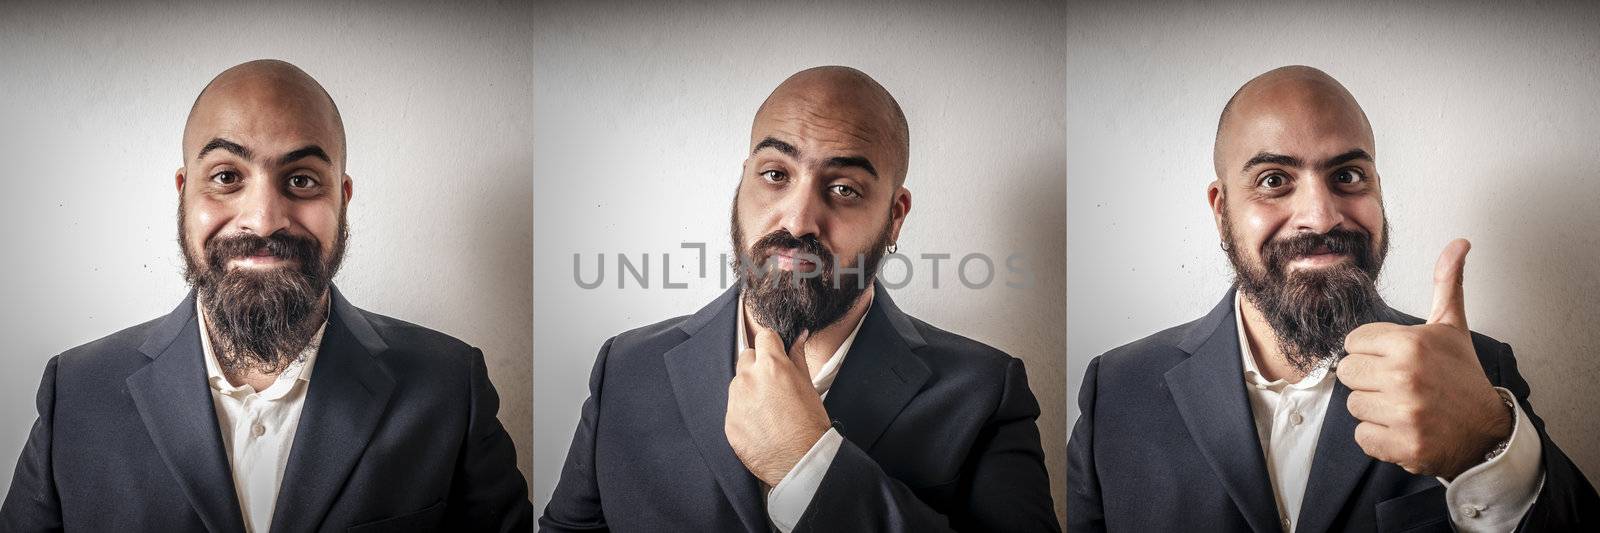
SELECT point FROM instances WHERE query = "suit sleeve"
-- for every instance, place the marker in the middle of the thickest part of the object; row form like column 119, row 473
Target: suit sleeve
column 31, row 504
column 489, row 493
column 1084, row 509
column 1566, row 502
column 575, row 504
column 1004, row 484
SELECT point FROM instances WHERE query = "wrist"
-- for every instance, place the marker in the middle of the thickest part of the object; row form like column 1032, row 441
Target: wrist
column 1504, row 427
column 797, row 450
column 1495, row 436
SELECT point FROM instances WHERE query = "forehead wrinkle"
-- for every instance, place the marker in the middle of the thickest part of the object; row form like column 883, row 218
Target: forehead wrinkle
column 808, row 117
column 818, row 153
column 269, row 135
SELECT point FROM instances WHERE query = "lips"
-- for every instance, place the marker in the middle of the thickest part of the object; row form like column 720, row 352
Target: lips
column 261, row 257
column 1322, row 256
column 791, row 259
column 792, row 254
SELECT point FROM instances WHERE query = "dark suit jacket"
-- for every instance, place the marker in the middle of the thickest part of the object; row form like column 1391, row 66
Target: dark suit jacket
column 938, row 434
column 1166, row 442
column 398, row 433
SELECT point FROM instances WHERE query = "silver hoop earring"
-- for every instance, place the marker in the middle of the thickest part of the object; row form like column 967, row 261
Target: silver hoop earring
column 894, row 247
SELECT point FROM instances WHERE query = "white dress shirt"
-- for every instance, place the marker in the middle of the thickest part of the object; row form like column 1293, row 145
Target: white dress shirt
column 1491, row 496
column 258, row 427
column 787, row 501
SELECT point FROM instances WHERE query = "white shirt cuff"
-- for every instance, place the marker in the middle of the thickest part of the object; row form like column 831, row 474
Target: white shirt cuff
column 788, row 501
column 1494, row 495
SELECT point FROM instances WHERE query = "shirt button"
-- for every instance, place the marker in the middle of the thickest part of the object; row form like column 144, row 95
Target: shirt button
column 1469, row 511
column 1295, row 418
column 258, row 430
column 1286, row 524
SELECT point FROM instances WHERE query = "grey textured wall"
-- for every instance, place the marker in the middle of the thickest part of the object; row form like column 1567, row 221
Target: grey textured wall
column 437, row 107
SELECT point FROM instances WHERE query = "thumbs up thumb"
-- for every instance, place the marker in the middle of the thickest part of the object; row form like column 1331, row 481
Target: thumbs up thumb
column 1449, row 305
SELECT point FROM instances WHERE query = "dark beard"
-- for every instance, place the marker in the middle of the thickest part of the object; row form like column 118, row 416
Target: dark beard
column 790, row 302
column 1312, row 311
column 262, row 320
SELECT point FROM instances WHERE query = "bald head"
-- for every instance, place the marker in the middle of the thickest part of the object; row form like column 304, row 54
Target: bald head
column 1287, row 104
column 845, row 102
column 264, row 98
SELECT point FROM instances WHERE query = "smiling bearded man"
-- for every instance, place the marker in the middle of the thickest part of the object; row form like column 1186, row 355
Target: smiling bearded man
column 209, row 418
column 1302, row 402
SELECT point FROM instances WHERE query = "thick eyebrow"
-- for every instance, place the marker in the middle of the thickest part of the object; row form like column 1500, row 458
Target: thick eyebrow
column 833, row 162
column 1353, row 155
column 1356, row 154
column 858, row 162
column 1263, row 158
column 308, row 151
column 769, row 142
column 218, row 142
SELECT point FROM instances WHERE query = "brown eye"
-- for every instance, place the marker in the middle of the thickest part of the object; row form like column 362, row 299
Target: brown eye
column 226, row 177
column 844, row 191
column 774, row 176
column 1273, row 181
column 301, row 182
column 1349, row 176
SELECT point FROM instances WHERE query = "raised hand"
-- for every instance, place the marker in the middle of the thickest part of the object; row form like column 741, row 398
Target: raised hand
column 774, row 413
column 1419, row 391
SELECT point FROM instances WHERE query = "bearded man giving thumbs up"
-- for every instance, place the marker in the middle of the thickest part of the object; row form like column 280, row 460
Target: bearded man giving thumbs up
column 1302, row 402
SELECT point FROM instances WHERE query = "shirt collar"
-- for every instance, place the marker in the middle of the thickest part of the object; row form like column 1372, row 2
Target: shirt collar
column 1252, row 373
column 298, row 371
column 830, row 369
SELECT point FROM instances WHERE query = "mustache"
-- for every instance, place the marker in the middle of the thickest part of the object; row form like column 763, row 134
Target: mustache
column 764, row 247
column 1356, row 244
column 281, row 245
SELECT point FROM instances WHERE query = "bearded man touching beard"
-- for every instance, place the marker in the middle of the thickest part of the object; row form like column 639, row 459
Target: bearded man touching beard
column 1302, row 402
column 802, row 399
column 212, row 419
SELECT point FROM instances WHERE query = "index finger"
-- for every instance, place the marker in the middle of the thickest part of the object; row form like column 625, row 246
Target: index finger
column 1355, row 371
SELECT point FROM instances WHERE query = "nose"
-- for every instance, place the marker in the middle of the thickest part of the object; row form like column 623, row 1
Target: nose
column 801, row 211
column 262, row 210
column 1316, row 209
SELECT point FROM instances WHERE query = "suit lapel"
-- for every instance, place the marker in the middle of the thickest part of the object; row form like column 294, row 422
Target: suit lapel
column 879, row 375
column 700, row 368
column 349, row 393
column 1338, row 466
column 1208, row 388
column 174, row 402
